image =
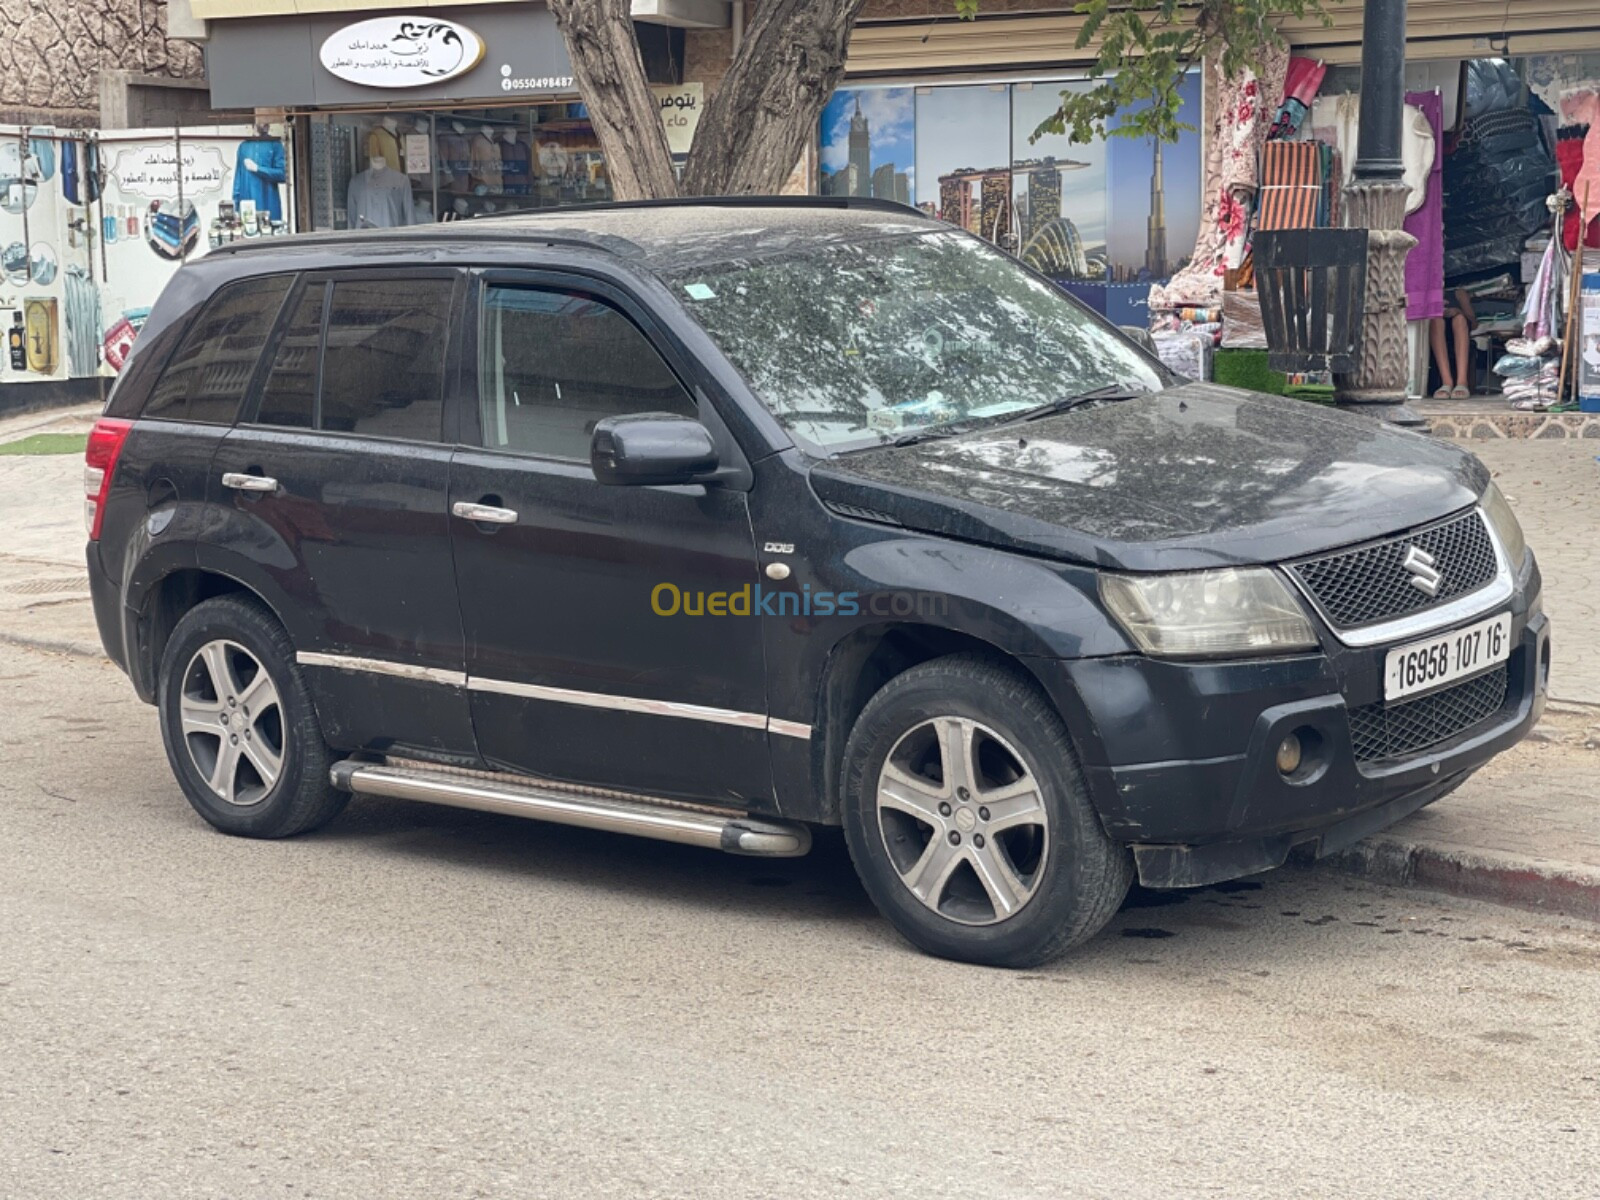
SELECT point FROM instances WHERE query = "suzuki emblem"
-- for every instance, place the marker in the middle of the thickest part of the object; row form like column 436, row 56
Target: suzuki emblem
column 1425, row 577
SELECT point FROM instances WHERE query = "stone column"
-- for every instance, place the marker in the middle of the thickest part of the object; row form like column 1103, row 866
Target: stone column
column 1376, row 201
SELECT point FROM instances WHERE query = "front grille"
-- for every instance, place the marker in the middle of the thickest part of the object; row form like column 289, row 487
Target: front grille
column 1368, row 585
column 1389, row 730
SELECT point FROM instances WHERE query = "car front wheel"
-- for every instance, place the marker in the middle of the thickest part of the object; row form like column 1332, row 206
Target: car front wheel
column 968, row 820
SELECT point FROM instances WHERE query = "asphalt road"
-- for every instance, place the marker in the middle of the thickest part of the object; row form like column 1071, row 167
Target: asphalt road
column 430, row 1003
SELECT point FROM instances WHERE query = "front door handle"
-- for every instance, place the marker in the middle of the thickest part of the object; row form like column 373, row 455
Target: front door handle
column 485, row 514
column 249, row 483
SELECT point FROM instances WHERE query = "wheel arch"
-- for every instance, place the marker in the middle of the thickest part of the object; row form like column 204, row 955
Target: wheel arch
column 164, row 604
column 866, row 659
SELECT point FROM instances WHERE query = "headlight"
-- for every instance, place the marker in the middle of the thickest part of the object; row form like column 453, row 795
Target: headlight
column 1202, row 613
column 1506, row 527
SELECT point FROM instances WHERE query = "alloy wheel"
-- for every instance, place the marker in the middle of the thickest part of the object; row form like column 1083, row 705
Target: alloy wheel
column 232, row 722
column 963, row 821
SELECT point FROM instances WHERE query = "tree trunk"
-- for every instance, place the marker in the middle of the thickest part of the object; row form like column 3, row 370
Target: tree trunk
column 756, row 123
column 612, row 82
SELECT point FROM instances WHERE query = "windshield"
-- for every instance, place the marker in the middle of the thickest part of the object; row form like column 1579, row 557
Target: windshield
column 866, row 342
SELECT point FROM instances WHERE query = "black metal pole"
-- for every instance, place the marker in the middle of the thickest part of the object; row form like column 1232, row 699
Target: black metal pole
column 1383, row 87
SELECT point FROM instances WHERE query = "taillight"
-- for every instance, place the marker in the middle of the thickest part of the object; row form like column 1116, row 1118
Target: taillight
column 99, row 467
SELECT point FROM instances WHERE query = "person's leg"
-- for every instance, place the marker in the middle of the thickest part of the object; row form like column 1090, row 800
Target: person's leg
column 1441, row 353
column 1460, row 327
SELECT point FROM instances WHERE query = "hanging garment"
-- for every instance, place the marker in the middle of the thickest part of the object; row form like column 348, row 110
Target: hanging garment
column 1541, row 314
column 1235, row 129
column 383, row 144
column 1300, row 84
column 1425, row 263
column 260, row 186
column 82, row 304
column 1291, row 184
column 455, row 161
column 379, row 199
column 1581, row 106
column 486, row 171
column 516, row 167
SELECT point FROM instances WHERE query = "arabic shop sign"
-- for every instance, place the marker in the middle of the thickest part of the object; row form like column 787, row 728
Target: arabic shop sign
column 401, row 52
column 151, row 170
column 680, row 113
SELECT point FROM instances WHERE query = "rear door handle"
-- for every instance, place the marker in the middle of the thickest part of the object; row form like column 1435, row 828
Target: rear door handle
column 485, row 514
column 249, row 483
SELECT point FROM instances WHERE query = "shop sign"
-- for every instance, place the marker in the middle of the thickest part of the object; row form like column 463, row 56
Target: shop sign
column 401, row 52
column 151, row 171
column 680, row 113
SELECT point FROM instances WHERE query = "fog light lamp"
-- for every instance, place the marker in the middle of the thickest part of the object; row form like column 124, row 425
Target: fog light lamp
column 1289, row 753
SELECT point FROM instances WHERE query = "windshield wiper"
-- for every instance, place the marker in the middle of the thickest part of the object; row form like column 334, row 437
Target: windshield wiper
column 1110, row 392
column 931, row 432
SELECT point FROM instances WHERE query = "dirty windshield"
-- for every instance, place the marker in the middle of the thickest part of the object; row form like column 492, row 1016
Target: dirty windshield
column 876, row 339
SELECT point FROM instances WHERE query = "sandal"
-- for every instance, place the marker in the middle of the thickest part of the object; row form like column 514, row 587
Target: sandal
column 1460, row 393
column 1442, row 394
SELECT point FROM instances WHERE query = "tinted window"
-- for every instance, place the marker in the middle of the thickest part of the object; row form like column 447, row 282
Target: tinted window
column 208, row 374
column 383, row 365
column 555, row 363
column 289, row 396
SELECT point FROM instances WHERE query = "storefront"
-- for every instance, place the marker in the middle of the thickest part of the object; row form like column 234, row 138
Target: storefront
column 415, row 116
column 942, row 114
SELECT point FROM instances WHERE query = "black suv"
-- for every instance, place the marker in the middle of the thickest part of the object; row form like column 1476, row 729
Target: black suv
column 716, row 521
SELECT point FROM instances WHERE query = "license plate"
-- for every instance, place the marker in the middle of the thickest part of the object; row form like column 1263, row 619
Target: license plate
column 1424, row 666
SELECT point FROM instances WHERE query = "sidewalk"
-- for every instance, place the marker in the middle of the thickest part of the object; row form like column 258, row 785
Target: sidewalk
column 1524, row 831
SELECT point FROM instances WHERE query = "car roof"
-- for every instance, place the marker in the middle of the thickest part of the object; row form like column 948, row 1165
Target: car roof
column 664, row 236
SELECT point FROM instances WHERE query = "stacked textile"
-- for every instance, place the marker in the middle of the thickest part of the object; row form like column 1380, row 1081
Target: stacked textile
column 1185, row 354
column 1530, row 370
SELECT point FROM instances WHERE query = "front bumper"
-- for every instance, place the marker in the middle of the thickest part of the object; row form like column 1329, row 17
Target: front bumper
column 1181, row 757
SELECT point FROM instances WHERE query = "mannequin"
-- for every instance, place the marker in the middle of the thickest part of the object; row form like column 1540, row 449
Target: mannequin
column 487, row 178
column 384, row 142
column 454, row 158
column 516, row 164
column 258, row 170
column 379, row 198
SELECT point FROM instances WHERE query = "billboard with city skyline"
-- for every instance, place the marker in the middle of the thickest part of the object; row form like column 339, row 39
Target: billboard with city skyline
column 1104, row 219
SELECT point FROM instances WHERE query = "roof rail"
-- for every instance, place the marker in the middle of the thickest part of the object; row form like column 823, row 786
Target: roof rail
column 754, row 201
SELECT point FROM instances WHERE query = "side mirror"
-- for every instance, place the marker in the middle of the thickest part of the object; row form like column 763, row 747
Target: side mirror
column 651, row 448
column 1141, row 335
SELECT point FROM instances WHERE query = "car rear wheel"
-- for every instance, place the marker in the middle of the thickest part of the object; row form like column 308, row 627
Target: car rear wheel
column 238, row 724
column 968, row 821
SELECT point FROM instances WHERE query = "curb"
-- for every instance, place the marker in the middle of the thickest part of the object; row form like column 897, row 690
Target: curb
column 1561, row 889
column 76, row 649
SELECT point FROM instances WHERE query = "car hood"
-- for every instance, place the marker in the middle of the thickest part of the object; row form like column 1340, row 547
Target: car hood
column 1195, row 476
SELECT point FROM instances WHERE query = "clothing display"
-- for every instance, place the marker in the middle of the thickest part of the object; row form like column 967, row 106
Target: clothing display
column 259, row 185
column 1236, row 127
column 82, row 310
column 516, row 167
column 455, row 161
column 1425, row 222
column 380, row 199
column 485, row 171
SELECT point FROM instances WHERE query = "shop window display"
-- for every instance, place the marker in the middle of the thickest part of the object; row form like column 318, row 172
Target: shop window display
column 379, row 170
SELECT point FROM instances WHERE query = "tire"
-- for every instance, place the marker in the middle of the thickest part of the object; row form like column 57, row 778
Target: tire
column 236, row 642
column 1066, row 877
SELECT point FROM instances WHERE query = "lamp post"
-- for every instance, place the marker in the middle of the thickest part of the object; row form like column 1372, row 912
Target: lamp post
column 1376, row 201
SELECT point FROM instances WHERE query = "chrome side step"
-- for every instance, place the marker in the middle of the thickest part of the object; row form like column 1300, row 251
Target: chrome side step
column 730, row 832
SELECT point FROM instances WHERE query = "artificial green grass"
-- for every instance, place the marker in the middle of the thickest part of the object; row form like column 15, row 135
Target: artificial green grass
column 47, row 443
column 1247, row 369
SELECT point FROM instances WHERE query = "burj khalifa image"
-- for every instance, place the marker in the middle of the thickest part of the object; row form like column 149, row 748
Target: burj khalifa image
column 1155, row 249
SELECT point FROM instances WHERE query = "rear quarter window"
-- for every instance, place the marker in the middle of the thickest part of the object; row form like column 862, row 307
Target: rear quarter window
column 208, row 374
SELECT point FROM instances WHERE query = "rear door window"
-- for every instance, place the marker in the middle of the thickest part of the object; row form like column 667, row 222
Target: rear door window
column 208, row 374
column 289, row 394
column 383, row 362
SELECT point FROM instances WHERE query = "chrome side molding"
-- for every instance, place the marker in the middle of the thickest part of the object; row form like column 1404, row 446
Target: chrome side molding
column 731, row 832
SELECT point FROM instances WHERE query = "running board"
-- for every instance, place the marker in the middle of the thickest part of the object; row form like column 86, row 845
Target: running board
column 730, row 832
